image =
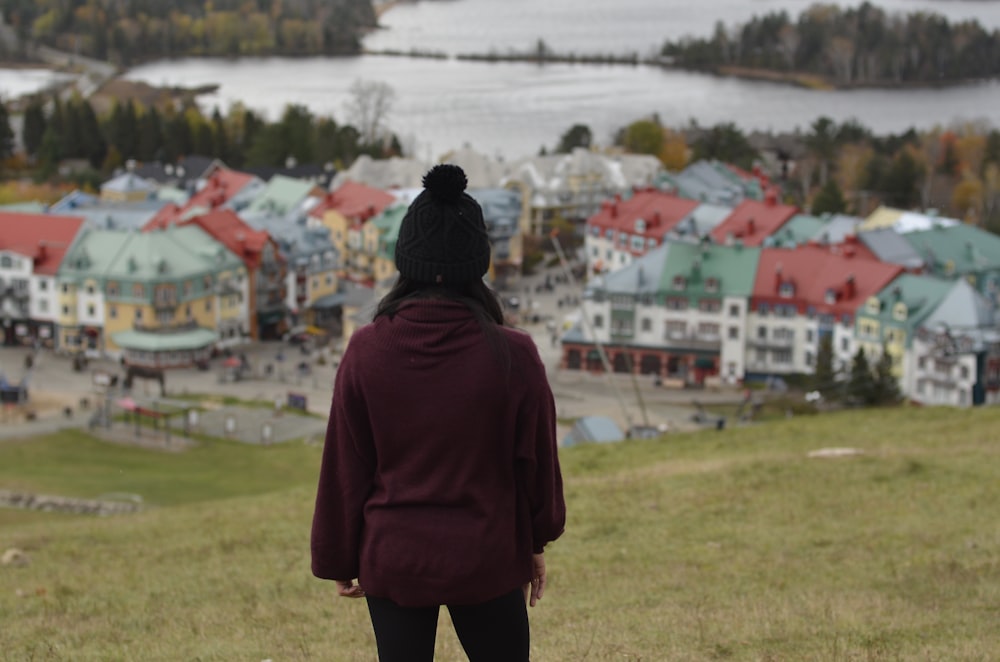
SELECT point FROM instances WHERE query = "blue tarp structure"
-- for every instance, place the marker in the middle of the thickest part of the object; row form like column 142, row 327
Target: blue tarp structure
column 600, row 429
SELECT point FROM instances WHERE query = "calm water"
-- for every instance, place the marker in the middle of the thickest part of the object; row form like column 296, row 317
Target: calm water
column 604, row 26
column 512, row 110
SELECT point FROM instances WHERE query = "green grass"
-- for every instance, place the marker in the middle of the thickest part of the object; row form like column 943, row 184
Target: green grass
column 728, row 545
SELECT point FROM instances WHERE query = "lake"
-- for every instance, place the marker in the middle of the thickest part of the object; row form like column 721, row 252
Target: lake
column 511, row 110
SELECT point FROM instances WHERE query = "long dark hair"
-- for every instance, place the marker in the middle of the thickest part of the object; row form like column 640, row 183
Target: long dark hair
column 477, row 296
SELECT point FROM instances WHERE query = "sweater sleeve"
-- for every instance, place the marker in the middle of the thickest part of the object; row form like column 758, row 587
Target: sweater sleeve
column 538, row 462
column 345, row 480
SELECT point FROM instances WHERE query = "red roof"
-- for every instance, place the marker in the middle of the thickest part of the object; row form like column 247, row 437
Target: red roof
column 355, row 201
column 827, row 278
column 660, row 213
column 229, row 229
column 752, row 221
column 43, row 238
column 219, row 188
column 167, row 215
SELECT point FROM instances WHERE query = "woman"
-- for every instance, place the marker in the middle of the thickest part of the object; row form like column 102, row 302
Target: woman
column 440, row 481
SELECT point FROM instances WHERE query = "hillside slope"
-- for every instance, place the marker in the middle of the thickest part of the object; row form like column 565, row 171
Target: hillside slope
column 731, row 545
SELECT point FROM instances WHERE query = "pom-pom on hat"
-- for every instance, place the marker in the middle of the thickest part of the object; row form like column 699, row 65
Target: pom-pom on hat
column 443, row 237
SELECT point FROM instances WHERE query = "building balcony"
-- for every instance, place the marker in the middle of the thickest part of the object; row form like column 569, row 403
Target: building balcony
column 771, row 343
column 692, row 341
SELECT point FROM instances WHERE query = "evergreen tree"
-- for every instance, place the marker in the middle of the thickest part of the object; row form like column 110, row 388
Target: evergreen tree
column 94, row 146
column 885, row 386
column 829, row 200
column 6, row 133
column 824, row 378
column 150, row 139
column 34, row 126
column 49, row 155
column 860, row 387
column 578, row 135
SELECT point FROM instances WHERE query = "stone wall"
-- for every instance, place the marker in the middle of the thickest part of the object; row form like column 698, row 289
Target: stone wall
column 59, row 504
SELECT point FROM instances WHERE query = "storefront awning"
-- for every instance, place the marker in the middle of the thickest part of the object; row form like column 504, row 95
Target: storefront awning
column 145, row 341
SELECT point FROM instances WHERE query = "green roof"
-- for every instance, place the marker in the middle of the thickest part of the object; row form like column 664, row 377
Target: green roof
column 798, row 230
column 388, row 223
column 143, row 341
column 919, row 293
column 281, row 195
column 172, row 254
column 733, row 268
column 957, row 249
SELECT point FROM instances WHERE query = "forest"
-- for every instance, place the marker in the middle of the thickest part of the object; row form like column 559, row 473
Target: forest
column 128, row 32
column 847, row 47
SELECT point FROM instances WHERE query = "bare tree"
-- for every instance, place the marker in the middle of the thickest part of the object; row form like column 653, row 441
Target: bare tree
column 368, row 108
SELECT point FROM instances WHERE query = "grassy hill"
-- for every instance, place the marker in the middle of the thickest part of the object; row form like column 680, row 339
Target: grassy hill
column 732, row 545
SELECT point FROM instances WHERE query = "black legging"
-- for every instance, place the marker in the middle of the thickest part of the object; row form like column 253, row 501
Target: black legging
column 493, row 631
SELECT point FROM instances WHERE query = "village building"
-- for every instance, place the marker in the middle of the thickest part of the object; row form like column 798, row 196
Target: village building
column 802, row 295
column 955, row 355
column 346, row 212
column 961, row 251
column 890, row 319
column 571, row 187
column 679, row 312
column 753, row 221
column 169, row 289
column 627, row 228
column 32, row 247
column 266, row 267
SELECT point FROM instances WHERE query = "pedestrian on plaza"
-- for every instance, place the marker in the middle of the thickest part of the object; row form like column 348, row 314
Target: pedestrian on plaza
column 440, row 480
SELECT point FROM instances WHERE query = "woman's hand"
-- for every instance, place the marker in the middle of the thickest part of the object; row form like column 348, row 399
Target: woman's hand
column 348, row 589
column 537, row 578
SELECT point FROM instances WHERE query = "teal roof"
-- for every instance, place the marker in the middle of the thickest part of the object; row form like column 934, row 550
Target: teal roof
column 921, row 294
column 172, row 254
column 798, row 230
column 281, row 195
column 143, row 341
column 732, row 267
column 957, row 249
column 388, row 223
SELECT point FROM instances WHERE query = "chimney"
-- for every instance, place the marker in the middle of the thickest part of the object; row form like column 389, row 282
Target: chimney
column 751, row 226
column 849, row 288
column 777, row 277
column 771, row 197
column 657, row 218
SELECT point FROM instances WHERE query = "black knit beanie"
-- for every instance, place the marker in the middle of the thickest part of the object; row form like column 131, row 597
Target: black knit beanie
column 443, row 237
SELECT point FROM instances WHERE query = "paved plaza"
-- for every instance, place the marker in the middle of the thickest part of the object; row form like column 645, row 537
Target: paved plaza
column 62, row 397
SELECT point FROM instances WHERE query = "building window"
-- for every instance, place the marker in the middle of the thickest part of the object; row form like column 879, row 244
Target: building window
column 138, row 314
column 734, row 310
column 809, row 335
column 676, row 329
column 6, row 262
column 90, row 288
column 734, row 333
column 164, row 317
column 964, row 372
column 113, row 312
column 90, row 310
column 711, row 284
column 809, row 358
column 138, row 291
column 647, row 324
column 762, row 332
column 679, row 283
column 708, row 331
column 676, row 304
column 187, row 311
column 710, row 305
column 598, row 321
column 762, row 309
column 43, row 306
column 782, row 356
column 65, row 288
column 208, row 305
column 65, row 310
column 43, row 286
column 845, row 344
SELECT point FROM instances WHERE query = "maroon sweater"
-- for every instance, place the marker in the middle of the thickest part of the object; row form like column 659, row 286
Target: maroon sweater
column 440, row 474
